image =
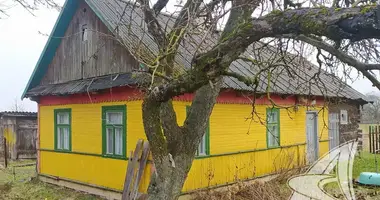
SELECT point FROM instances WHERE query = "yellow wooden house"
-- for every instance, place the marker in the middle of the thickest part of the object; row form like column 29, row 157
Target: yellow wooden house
column 89, row 111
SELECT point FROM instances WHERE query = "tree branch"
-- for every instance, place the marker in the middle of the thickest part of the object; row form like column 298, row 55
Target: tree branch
column 170, row 126
column 360, row 66
column 347, row 23
column 159, row 5
column 199, row 113
column 154, row 28
column 247, row 80
column 152, row 127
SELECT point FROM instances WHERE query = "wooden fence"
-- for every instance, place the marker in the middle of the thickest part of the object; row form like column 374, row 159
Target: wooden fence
column 374, row 139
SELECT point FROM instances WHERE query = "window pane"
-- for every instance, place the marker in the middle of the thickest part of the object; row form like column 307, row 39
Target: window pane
column 202, row 146
column 114, row 118
column 59, row 131
column 273, row 136
column 63, row 118
column 118, row 141
column 272, row 116
column 109, row 140
column 66, row 138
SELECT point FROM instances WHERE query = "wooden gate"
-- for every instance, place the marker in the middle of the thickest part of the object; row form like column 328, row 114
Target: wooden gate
column 374, row 139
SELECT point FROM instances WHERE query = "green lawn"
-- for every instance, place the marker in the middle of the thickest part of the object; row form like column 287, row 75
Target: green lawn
column 363, row 163
column 20, row 183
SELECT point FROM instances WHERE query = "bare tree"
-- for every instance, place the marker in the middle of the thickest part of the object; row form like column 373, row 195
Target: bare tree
column 371, row 112
column 214, row 34
column 29, row 5
column 17, row 106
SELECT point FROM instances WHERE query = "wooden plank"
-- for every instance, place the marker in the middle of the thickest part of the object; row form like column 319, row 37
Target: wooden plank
column 370, row 138
column 377, row 139
column 140, row 170
column 131, row 170
column 127, row 175
column 5, row 153
column 374, row 140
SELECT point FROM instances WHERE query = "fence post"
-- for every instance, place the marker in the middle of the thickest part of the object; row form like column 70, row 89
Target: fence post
column 5, row 153
column 370, row 138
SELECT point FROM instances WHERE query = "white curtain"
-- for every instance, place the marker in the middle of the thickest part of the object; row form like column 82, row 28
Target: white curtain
column 59, row 139
column 109, row 140
column 273, row 136
column 202, row 146
column 118, row 141
column 63, row 118
column 114, row 118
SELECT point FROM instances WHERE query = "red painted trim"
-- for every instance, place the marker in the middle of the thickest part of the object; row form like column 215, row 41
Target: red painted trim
column 130, row 94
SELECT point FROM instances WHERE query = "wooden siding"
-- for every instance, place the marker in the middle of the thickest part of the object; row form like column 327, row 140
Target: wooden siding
column 21, row 133
column 235, row 153
column 100, row 55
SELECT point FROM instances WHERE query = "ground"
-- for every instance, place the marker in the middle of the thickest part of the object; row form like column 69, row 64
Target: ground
column 277, row 189
column 20, row 183
column 366, row 162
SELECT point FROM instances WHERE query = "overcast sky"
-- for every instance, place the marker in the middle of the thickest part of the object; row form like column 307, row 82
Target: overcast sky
column 21, row 45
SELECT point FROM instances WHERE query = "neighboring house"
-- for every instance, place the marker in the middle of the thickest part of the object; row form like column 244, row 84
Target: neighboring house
column 90, row 110
column 20, row 130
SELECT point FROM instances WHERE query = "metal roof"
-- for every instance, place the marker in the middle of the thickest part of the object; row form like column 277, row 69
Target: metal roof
column 300, row 79
column 17, row 114
column 85, row 85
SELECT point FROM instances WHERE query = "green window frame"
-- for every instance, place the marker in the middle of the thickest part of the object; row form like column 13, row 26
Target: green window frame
column 62, row 129
column 204, row 145
column 114, row 131
column 273, row 127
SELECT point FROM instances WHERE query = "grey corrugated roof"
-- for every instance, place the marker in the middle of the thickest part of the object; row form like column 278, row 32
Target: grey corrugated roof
column 134, row 29
column 296, row 79
column 18, row 114
column 82, row 86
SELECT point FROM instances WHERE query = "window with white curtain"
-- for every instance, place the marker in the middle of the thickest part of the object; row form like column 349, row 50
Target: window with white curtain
column 114, row 134
column 273, row 127
column 202, row 147
column 63, row 129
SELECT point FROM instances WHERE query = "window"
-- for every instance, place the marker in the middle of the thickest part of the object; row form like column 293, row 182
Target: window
column 204, row 148
column 204, row 145
column 273, row 127
column 343, row 117
column 114, row 131
column 84, row 32
column 62, row 137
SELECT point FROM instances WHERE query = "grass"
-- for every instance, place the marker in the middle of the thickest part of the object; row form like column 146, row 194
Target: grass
column 20, row 183
column 363, row 163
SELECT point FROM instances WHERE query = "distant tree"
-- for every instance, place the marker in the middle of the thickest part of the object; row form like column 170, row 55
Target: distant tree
column 17, row 106
column 371, row 112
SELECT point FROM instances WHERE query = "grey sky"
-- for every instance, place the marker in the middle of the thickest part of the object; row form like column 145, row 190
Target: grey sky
column 21, row 45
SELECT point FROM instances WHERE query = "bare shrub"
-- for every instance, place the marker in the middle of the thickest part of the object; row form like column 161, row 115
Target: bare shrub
column 271, row 190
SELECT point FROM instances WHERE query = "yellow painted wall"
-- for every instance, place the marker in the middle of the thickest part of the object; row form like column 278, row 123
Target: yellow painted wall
column 231, row 131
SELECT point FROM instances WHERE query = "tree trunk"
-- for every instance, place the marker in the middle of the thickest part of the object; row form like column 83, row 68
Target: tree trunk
column 173, row 147
column 168, row 178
